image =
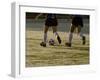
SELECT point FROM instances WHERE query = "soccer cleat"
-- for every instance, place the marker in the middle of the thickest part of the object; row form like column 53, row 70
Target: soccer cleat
column 68, row 44
column 59, row 40
column 84, row 40
column 43, row 44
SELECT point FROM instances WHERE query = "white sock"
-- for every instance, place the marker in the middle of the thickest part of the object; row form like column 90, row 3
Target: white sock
column 70, row 37
column 45, row 37
column 56, row 34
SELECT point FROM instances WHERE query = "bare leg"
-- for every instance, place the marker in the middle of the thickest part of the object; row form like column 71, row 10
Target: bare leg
column 72, row 28
column 54, row 28
column 71, row 33
column 45, row 36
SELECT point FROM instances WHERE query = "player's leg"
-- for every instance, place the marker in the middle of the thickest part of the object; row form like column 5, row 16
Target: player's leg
column 72, row 28
column 81, row 35
column 56, row 34
column 45, row 36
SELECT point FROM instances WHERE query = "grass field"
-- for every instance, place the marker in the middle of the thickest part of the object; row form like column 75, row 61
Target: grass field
column 55, row 55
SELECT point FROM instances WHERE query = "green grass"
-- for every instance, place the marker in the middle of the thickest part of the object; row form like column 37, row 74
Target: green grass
column 57, row 55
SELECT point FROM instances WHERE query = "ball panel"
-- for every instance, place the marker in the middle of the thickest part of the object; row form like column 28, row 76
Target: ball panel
column 51, row 42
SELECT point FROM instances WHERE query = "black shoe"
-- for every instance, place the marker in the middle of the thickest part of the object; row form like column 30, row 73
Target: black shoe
column 59, row 40
column 43, row 44
column 84, row 40
column 68, row 44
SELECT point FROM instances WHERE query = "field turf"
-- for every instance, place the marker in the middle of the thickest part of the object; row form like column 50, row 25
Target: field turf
column 58, row 55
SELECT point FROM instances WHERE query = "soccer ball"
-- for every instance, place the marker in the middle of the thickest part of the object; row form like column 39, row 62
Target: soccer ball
column 51, row 42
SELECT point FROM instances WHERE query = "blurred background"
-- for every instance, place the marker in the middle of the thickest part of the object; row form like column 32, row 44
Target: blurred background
column 64, row 22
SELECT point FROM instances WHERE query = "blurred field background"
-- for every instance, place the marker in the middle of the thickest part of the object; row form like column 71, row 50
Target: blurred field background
column 57, row 55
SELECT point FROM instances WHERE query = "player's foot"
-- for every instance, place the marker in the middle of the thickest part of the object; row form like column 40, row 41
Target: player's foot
column 68, row 44
column 84, row 40
column 59, row 40
column 43, row 44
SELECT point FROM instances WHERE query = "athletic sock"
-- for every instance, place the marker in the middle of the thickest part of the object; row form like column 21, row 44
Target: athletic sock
column 81, row 35
column 70, row 37
column 45, row 37
column 56, row 34
column 83, row 38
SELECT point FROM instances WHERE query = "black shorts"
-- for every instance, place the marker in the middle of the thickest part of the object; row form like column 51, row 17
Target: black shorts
column 51, row 22
column 77, row 21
